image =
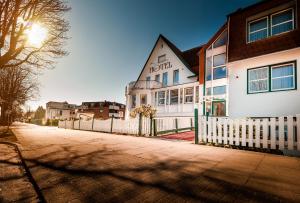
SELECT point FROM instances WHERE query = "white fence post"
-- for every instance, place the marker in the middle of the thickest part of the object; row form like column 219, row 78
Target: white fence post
column 220, row 131
column 237, row 132
column 298, row 132
column 273, row 133
column 281, row 133
column 250, row 132
column 243, row 132
column 290, row 124
column 225, row 127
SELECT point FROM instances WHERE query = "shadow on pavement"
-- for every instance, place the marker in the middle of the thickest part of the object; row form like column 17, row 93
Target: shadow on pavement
column 105, row 175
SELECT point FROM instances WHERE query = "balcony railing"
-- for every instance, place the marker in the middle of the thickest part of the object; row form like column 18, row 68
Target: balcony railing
column 143, row 85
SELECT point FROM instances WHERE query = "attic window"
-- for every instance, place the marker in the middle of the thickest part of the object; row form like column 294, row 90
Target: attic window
column 162, row 58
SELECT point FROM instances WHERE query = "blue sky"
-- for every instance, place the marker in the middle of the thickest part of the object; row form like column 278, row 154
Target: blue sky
column 111, row 40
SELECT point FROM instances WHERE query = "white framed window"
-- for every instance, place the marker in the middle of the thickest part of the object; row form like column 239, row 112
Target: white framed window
column 148, row 82
column 133, row 101
column 282, row 21
column 161, row 97
column 143, row 98
column 258, row 80
column 258, row 29
column 162, row 58
column 188, row 95
column 208, row 91
column 165, row 79
column 208, row 68
column 174, row 96
column 197, row 94
column 219, row 60
column 176, row 76
column 157, row 78
column 283, row 77
column 219, row 90
column 222, row 40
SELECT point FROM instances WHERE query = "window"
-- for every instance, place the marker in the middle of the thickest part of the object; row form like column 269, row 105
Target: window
column 148, row 82
column 282, row 22
column 165, row 79
column 174, row 96
column 161, row 97
column 272, row 78
column 189, row 94
column 222, row 40
column 208, row 91
column 133, row 101
column 181, row 96
column 208, row 68
column 258, row 29
column 219, row 90
column 207, row 108
column 197, row 94
column 162, row 58
column 219, row 73
column 167, row 95
column 157, row 78
column 279, row 22
column 219, row 108
column 283, row 77
column 219, row 60
column 143, row 99
column 176, row 77
column 258, row 80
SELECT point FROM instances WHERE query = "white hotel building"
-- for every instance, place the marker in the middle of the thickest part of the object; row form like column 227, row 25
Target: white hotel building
column 168, row 81
column 249, row 68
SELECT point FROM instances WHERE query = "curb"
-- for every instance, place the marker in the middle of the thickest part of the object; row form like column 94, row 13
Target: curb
column 27, row 171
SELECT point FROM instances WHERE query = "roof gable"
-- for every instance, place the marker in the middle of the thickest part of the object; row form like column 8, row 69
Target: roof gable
column 188, row 58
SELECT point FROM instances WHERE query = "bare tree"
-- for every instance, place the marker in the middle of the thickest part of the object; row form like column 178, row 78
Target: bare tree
column 17, row 18
column 17, row 85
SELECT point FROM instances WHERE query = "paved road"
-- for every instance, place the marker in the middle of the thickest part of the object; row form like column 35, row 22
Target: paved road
column 80, row 166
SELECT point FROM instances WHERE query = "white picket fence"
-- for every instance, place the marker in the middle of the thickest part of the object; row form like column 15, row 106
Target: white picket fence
column 132, row 126
column 274, row 133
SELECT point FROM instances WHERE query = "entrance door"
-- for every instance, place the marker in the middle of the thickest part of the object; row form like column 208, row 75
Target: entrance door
column 219, row 108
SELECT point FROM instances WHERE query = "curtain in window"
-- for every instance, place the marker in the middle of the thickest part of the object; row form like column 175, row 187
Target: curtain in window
column 258, row 79
column 283, row 77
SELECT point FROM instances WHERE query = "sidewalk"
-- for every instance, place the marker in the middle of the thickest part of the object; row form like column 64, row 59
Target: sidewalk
column 14, row 184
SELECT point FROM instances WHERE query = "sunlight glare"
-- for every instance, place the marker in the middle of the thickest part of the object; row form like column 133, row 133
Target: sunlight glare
column 36, row 35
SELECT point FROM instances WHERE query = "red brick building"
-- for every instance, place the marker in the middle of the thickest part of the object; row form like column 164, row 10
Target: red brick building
column 102, row 110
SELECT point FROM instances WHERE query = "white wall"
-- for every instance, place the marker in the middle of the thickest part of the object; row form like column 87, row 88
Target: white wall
column 268, row 104
column 176, row 63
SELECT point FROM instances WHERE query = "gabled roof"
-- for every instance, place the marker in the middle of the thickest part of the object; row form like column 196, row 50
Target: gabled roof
column 189, row 58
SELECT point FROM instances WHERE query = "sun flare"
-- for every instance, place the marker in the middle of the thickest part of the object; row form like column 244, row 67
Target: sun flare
column 36, row 35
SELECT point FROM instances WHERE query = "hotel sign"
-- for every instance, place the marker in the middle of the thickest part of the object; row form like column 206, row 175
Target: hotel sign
column 162, row 66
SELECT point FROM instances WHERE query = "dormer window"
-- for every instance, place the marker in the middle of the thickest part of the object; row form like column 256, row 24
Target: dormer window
column 274, row 24
column 162, row 58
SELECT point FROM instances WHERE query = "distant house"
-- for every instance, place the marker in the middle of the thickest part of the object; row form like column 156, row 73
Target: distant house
column 101, row 110
column 60, row 110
